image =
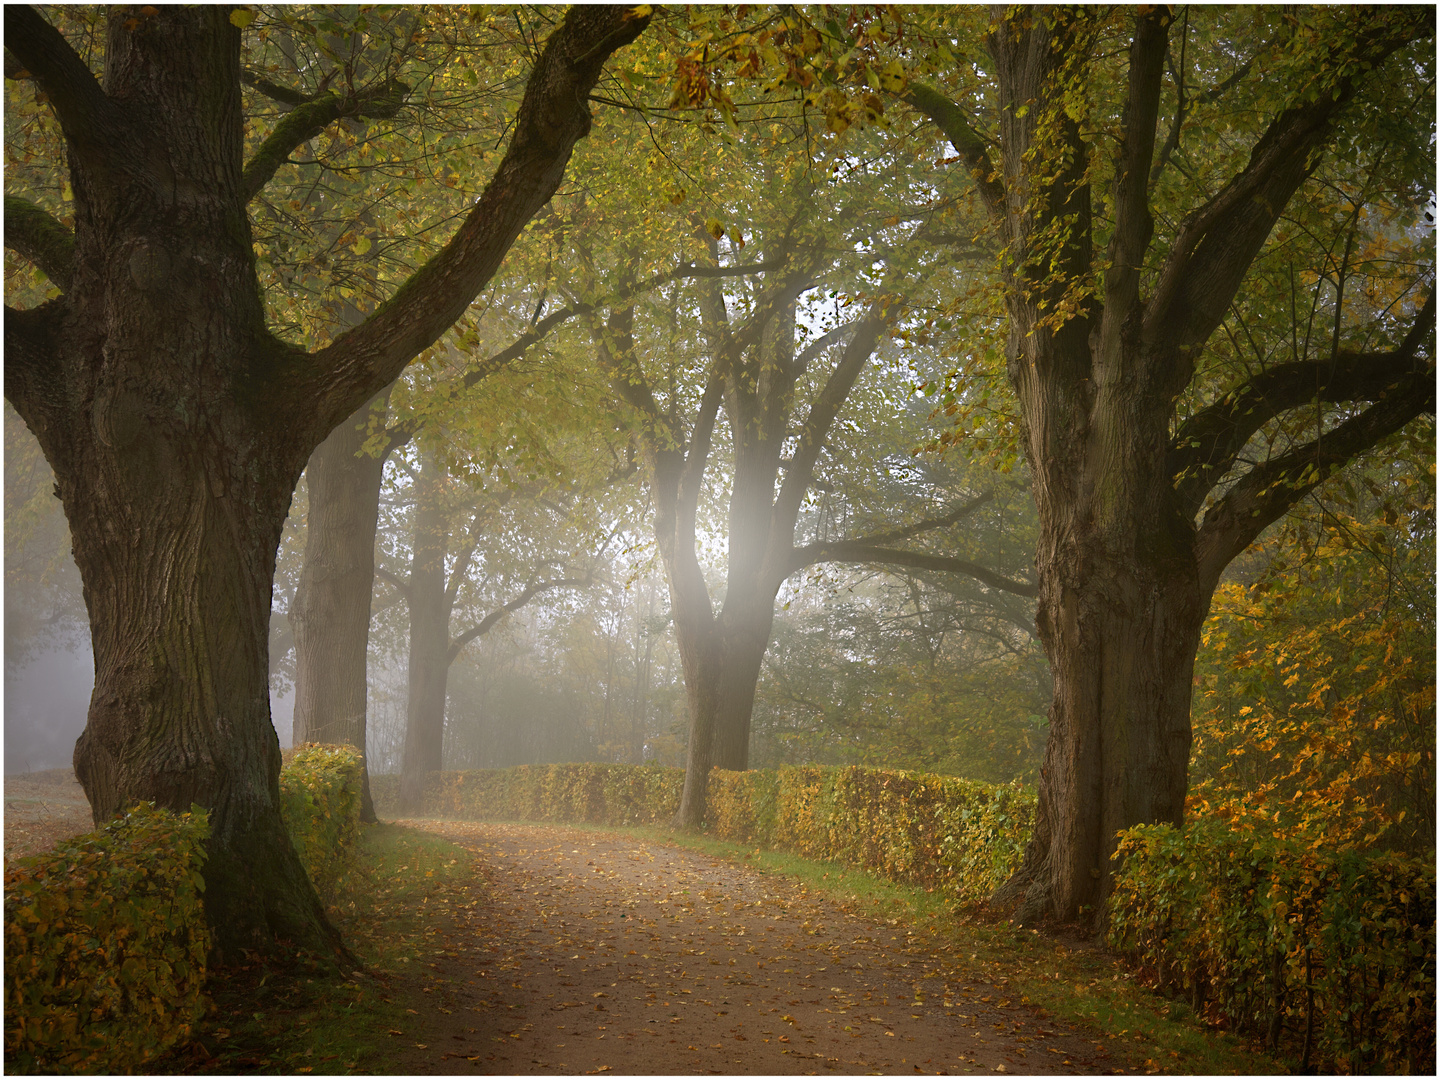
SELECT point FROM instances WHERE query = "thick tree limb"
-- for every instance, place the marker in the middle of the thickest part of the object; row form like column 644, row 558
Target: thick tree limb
column 274, row 91
column 908, row 532
column 309, row 119
column 31, row 366
column 551, row 119
column 1268, row 490
column 1133, row 223
column 401, row 585
column 825, row 408
column 1216, row 245
column 854, row 551
column 952, row 122
column 86, row 114
column 1207, row 445
column 34, row 234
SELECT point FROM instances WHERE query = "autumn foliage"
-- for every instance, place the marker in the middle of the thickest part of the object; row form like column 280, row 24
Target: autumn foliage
column 105, row 945
column 320, row 804
column 105, row 936
column 1330, row 954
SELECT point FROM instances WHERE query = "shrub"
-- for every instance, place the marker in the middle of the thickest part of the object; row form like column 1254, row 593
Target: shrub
column 1270, row 934
column 105, row 945
column 320, row 804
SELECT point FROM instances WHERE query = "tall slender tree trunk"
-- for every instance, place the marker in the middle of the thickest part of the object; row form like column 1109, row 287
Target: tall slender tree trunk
column 429, row 641
column 331, row 611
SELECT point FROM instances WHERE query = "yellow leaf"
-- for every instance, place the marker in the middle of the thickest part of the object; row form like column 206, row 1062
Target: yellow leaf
column 361, row 246
column 242, row 17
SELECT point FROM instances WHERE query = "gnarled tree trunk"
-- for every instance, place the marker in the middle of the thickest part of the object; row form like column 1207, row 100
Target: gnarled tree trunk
column 1127, row 564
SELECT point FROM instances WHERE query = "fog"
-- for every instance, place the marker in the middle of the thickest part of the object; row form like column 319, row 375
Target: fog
column 45, row 703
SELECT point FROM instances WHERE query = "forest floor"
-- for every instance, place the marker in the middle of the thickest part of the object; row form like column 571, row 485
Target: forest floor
column 41, row 809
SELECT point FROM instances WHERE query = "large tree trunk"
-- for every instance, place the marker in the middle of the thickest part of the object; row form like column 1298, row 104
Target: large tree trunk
column 1120, row 621
column 177, row 425
column 331, row 610
column 175, row 487
column 429, row 665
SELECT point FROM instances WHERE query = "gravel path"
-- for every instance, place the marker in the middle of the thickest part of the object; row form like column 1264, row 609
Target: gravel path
column 585, row 952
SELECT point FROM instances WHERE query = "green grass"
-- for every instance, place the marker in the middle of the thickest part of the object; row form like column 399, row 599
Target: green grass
column 305, row 1017
column 1084, row 985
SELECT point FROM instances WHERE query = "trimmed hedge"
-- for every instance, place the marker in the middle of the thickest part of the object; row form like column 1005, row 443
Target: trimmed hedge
column 1336, row 948
column 320, row 804
column 105, row 945
column 936, row 831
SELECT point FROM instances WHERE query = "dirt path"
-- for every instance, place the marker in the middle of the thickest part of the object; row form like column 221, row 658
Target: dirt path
column 599, row 953
column 41, row 809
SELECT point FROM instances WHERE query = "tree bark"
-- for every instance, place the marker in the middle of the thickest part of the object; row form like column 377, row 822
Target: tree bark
column 177, row 425
column 331, row 611
column 1125, row 571
column 429, row 664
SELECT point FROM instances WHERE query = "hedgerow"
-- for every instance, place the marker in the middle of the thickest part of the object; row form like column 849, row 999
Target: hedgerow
column 320, row 803
column 105, row 945
column 939, row 832
column 1335, row 949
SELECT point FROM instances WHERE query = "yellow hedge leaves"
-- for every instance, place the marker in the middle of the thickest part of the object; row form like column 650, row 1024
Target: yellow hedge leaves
column 320, row 803
column 105, row 944
column 1275, row 936
column 105, row 936
column 937, row 831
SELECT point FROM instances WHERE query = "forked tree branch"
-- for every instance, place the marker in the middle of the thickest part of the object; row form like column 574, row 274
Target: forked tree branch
column 1207, row 445
column 1270, row 489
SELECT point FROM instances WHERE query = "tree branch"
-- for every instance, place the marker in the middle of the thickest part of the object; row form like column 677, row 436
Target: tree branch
column 274, row 91
column 401, row 586
column 953, row 123
column 1219, row 241
column 86, row 114
column 551, row 119
column 31, row 367
column 1133, row 223
column 33, row 234
column 1268, row 490
column 1207, row 445
column 529, row 593
column 855, row 551
column 309, row 119
column 822, row 414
